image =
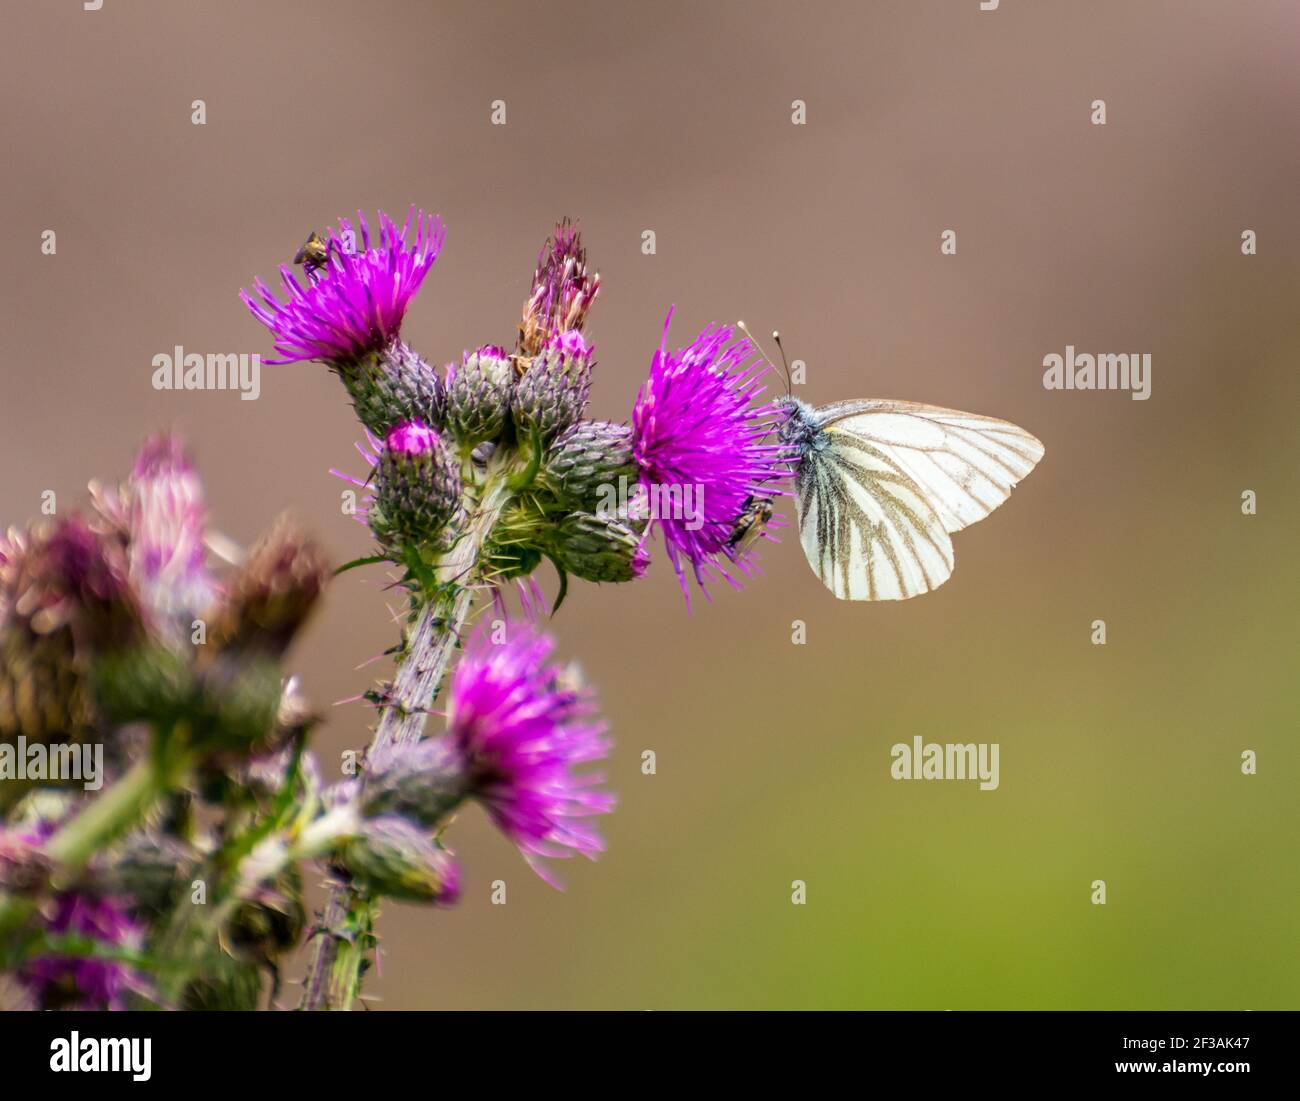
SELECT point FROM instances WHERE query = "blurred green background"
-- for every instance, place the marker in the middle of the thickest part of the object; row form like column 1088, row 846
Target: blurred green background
column 1118, row 762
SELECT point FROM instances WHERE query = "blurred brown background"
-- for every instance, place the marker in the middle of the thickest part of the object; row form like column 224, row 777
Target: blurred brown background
column 1118, row 762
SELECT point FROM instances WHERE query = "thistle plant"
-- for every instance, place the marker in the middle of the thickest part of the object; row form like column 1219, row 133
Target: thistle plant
column 180, row 883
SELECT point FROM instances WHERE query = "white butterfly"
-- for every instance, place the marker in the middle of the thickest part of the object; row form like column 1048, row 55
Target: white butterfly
column 881, row 485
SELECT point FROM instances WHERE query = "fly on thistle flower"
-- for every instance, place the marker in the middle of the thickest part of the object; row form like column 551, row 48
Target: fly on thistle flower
column 359, row 296
column 350, row 312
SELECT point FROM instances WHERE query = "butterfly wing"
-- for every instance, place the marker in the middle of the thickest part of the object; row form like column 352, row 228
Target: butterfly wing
column 878, row 502
column 867, row 529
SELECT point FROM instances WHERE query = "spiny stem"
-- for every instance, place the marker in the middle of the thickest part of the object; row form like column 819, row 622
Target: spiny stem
column 334, row 974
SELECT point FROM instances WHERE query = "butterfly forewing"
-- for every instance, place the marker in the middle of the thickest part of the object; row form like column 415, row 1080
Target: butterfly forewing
column 966, row 464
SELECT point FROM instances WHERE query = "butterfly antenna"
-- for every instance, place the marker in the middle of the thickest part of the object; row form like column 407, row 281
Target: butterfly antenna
column 789, row 386
column 789, row 381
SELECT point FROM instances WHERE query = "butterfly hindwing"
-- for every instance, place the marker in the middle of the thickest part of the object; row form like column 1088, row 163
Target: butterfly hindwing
column 867, row 529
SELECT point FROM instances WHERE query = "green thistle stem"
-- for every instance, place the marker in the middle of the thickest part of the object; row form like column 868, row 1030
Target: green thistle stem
column 347, row 935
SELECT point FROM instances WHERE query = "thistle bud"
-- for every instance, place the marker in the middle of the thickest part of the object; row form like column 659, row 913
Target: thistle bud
column 44, row 694
column 270, row 923
column 393, row 857
column 226, row 983
column 478, row 395
column 23, row 868
column 274, row 591
column 598, row 547
column 417, row 486
column 393, row 385
column 148, row 868
column 586, row 462
column 562, row 291
column 237, row 705
column 552, row 393
column 422, row 781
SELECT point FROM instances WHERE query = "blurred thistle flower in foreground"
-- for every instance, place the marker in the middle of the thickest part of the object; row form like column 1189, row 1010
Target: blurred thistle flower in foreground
column 60, row 982
column 116, row 629
column 520, row 728
column 698, row 423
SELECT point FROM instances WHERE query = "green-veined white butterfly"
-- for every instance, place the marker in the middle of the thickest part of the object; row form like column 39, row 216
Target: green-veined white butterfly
column 880, row 486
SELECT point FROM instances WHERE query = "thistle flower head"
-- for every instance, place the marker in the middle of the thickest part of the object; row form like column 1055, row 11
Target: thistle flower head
column 63, row 982
column 478, row 394
column 552, row 393
column 562, row 291
column 161, row 514
column 522, row 726
column 599, row 546
column 274, row 591
column 416, row 485
column 353, row 302
column 698, row 428
column 587, row 462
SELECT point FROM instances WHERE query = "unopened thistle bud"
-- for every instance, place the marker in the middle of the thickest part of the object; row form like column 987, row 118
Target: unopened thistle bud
column 587, row 461
column 552, row 393
column 274, row 591
column 392, row 856
column 417, row 486
column 599, row 547
column 149, row 868
column 393, row 385
column 270, row 923
column 422, row 781
column 478, row 395
column 44, row 692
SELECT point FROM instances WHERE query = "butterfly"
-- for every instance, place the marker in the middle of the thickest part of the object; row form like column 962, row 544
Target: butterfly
column 880, row 486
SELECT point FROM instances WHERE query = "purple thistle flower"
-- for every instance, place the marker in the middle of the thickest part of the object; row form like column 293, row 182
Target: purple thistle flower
column 159, row 512
column 521, row 727
column 354, row 303
column 57, row 982
column 571, row 343
column 697, row 427
column 411, row 438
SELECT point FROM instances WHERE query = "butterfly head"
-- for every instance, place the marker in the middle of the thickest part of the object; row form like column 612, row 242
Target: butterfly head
column 799, row 428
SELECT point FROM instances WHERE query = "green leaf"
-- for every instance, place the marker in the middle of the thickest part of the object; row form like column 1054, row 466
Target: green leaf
column 369, row 560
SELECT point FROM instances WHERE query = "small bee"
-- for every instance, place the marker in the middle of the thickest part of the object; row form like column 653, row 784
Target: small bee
column 754, row 517
column 314, row 254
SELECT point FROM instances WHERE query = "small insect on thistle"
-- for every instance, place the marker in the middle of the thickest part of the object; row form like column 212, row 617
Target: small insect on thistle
column 314, row 253
column 754, row 518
